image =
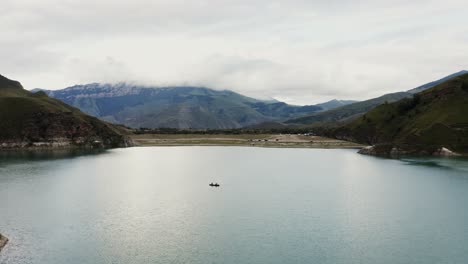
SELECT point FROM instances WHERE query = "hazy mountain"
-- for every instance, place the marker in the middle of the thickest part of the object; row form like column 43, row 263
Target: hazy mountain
column 176, row 107
column 434, row 118
column 335, row 104
column 33, row 119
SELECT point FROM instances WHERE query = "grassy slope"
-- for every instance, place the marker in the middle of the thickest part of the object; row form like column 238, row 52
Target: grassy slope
column 32, row 117
column 433, row 118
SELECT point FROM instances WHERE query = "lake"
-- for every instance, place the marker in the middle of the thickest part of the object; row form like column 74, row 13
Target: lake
column 154, row 205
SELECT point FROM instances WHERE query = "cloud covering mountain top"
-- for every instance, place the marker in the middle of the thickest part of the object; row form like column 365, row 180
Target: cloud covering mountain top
column 302, row 52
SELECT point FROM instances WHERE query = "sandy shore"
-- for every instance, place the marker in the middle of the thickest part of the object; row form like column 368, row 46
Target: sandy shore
column 262, row 140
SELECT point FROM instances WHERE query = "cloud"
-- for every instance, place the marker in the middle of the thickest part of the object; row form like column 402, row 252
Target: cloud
column 301, row 51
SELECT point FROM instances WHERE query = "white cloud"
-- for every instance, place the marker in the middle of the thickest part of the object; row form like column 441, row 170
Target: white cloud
column 300, row 51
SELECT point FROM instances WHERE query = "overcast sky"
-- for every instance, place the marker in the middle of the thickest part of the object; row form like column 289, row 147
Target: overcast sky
column 299, row 51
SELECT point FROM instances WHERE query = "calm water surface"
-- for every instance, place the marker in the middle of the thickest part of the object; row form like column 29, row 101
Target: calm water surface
column 154, row 205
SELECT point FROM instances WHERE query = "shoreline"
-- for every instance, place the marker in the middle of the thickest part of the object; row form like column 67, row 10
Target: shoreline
column 51, row 149
column 248, row 146
column 394, row 151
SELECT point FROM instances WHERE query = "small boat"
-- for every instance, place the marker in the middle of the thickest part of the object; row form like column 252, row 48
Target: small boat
column 214, row 185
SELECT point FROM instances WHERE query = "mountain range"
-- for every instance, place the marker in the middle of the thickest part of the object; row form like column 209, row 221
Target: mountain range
column 36, row 120
column 186, row 107
column 179, row 107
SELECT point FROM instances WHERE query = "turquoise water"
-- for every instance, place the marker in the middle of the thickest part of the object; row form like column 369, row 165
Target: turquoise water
column 154, row 205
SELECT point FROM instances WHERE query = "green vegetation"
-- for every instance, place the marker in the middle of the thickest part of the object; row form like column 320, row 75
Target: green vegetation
column 432, row 119
column 27, row 118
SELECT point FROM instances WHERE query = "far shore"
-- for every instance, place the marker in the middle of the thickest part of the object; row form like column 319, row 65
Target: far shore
column 251, row 140
column 247, row 140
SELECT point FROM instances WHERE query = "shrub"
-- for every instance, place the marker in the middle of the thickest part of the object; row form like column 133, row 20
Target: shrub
column 465, row 85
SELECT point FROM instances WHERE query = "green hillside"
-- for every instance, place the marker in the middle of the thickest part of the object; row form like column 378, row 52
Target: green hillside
column 432, row 119
column 28, row 119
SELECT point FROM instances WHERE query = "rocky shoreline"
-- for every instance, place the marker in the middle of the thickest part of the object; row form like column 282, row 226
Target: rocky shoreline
column 3, row 242
column 395, row 151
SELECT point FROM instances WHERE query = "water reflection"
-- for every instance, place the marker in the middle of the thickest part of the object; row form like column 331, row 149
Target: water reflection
column 448, row 163
column 20, row 156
